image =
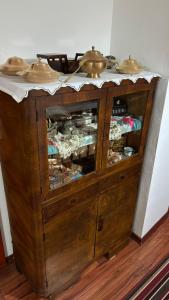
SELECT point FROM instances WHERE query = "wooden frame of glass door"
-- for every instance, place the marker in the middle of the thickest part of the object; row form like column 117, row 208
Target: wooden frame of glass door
column 115, row 92
column 66, row 99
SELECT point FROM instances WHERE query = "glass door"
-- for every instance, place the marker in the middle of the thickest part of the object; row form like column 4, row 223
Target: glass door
column 127, row 114
column 72, row 132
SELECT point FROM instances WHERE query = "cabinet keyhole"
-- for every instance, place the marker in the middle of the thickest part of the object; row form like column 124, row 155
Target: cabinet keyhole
column 100, row 223
column 72, row 201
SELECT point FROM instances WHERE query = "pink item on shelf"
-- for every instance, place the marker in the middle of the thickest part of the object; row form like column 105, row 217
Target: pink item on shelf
column 129, row 120
column 50, row 142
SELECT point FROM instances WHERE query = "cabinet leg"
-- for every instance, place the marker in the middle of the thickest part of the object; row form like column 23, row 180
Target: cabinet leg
column 51, row 297
column 18, row 268
column 113, row 252
column 110, row 254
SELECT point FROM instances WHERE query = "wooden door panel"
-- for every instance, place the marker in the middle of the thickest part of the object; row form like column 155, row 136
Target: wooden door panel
column 115, row 215
column 70, row 243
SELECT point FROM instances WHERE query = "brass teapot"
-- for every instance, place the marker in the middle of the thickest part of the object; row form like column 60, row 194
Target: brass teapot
column 93, row 63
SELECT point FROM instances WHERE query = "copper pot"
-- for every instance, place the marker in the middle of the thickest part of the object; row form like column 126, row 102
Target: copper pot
column 93, row 63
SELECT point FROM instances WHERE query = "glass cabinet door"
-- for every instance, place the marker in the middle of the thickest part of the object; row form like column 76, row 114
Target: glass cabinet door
column 72, row 140
column 126, row 124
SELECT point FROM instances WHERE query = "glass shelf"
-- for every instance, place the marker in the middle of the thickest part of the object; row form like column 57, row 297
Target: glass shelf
column 126, row 125
column 72, row 139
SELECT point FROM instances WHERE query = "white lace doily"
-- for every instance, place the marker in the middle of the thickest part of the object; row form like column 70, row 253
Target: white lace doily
column 16, row 87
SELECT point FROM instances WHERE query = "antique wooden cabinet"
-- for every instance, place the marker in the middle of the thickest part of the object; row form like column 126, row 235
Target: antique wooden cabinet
column 71, row 165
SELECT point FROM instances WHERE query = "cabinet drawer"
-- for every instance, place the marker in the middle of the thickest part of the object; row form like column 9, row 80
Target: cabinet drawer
column 118, row 177
column 69, row 201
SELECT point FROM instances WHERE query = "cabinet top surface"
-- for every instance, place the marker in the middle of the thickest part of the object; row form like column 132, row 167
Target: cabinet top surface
column 18, row 89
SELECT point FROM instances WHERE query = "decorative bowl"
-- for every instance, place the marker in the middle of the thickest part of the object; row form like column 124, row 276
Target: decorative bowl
column 40, row 72
column 129, row 66
column 14, row 65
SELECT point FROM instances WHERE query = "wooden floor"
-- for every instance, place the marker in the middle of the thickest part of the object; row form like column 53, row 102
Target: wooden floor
column 110, row 280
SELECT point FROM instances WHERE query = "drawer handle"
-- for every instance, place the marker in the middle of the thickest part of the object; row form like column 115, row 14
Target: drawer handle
column 122, row 177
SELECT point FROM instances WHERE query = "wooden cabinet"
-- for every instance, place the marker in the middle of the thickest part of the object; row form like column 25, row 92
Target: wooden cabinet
column 71, row 164
column 115, row 215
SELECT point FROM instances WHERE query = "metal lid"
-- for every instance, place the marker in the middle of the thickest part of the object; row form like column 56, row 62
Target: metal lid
column 93, row 55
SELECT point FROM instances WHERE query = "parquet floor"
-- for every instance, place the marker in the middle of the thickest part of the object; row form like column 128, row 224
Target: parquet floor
column 110, row 280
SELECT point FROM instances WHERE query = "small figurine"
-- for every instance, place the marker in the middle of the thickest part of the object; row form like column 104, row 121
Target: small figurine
column 114, row 157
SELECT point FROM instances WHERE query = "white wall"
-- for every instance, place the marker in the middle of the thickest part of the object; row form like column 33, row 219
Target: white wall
column 141, row 28
column 153, row 199
column 158, row 198
column 30, row 27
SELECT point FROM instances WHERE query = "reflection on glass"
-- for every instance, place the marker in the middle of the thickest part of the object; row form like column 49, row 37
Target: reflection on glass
column 125, row 127
column 72, row 135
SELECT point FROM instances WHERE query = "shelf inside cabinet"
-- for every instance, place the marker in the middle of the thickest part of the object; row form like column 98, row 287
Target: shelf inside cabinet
column 126, row 124
column 72, row 139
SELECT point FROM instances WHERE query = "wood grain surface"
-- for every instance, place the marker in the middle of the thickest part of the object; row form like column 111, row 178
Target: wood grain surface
column 106, row 280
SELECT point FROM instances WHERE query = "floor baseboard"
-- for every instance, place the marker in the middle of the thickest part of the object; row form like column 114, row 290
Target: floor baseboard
column 151, row 231
column 9, row 259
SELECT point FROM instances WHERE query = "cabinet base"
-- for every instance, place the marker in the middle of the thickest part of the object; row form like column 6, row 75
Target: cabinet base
column 113, row 251
column 109, row 255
